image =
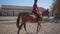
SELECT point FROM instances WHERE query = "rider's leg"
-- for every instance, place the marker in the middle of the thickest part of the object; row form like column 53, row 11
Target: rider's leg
column 37, row 16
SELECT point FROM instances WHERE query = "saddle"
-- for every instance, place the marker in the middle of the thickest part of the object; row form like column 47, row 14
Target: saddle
column 36, row 17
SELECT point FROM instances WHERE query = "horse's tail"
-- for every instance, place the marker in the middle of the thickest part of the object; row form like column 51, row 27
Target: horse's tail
column 18, row 19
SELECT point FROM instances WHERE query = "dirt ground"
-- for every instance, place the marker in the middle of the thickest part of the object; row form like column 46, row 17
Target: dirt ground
column 8, row 26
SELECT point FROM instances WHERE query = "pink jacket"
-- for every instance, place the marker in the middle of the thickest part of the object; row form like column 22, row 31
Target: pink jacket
column 35, row 8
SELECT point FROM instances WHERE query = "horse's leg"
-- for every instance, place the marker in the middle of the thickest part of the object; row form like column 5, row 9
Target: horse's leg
column 18, row 19
column 25, row 26
column 38, row 27
column 19, row 28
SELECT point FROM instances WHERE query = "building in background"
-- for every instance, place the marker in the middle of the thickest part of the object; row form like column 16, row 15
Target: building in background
column 0, row 11
column 10, row 10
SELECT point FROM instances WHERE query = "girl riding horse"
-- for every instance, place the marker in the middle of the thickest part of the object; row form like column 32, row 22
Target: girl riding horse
column 28, row 18
column 36, row 11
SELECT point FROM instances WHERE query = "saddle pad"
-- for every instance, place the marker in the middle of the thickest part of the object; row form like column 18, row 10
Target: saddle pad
column 33, row 16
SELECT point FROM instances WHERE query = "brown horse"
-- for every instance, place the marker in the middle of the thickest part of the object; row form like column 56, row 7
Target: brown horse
column 29, row 18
